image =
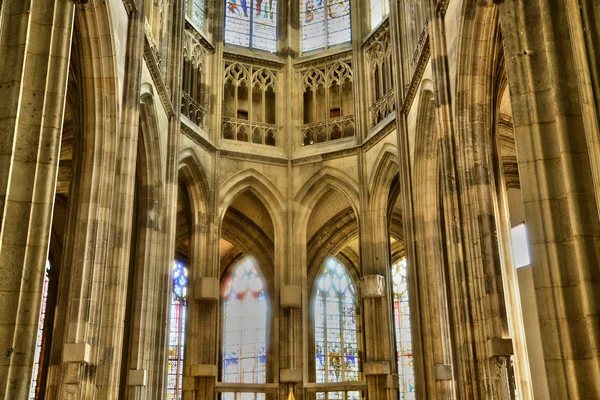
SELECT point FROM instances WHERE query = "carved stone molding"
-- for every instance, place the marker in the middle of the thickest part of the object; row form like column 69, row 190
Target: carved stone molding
column 326, row 59
column 415, row 81
column 253, row 157
column 386, row 129
column 199, row 36
column 196, row 137
column 245, row 59
column 157, row 78
column 377, row 34
column 129, row 5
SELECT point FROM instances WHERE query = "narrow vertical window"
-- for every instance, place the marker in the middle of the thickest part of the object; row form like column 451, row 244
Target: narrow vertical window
column 244, row 326
column 406, row 372
column 196, row 11
column 39, row 342
column 324, row 23
column 336, row 337
column 379, row 9
column 252, row 24
column 177, row 331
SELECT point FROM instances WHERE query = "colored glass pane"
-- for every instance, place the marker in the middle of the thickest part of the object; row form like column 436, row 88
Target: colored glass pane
column 406, row 373
column 379, row 9
column 177, row 320
column 336, row 341
column 251, row 23
column 40, row 337
column 244, row 327
column 198, row 9
column 324, row 23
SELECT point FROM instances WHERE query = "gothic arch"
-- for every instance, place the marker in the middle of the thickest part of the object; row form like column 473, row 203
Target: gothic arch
column 259, row 185
column 317, row 186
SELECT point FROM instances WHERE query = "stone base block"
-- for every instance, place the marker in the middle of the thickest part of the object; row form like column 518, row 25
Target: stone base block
column 77, row 352
column 500, row 347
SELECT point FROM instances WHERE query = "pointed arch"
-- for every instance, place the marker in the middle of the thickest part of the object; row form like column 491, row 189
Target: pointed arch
column 385, row 170
column 260, row 186
column 317, row 186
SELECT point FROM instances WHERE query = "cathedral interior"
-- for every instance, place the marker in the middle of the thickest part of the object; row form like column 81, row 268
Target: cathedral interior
column 300, row 199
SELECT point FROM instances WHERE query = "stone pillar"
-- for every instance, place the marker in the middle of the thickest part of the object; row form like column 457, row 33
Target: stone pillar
column 35, row 44
column 556, row 167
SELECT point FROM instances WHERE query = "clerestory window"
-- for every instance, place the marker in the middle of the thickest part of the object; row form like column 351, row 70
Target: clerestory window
column 325, row 23
column 379, row 9
column 252, row 24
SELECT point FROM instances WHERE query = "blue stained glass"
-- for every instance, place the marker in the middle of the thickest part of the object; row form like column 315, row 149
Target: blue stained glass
column 319, row 32
column 251, row 23
column 406, row 371
column 336, row 339
column 177, row 320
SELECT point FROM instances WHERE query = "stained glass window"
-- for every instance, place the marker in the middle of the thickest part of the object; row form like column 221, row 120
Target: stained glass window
column 324, row 23
column 336, row 334
column 39, row 341
column 177, row 331
column 406, row 372
column 251, row 23
column 379, row 9
column 198, row 13
column 244, row 329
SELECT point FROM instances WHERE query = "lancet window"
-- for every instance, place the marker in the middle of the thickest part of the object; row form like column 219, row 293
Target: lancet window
column 193, row 85
column 379, row 9
column 336, row 336
column 325, row 23
column 244, row 327
column 379, row 54
column 249, row 104
column 40, row 339
column 252, row 24
column 177, row 323
column 406, row 373
column 328, row 103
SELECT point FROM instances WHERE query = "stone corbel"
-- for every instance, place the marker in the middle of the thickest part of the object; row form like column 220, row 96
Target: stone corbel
column 205, row 370
column 291, row 296
column 137, row 377
column 206, row 289
column 500, row 347
column 376, row 368
column 77, row 352
column 373, row 286
column 443, row 372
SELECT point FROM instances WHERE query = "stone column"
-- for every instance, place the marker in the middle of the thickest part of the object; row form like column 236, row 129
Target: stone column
column 556, row 167
column 35, row 44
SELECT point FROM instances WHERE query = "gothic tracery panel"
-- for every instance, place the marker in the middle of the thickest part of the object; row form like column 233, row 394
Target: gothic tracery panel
column 250, row 104
column 328, row 103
